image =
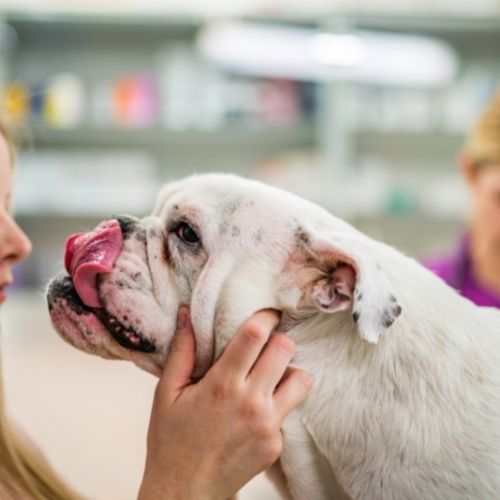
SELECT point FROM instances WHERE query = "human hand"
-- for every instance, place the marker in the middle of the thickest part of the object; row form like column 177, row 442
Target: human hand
column 207, row 439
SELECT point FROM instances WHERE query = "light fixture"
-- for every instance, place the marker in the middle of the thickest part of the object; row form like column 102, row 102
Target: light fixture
column 306, row 54
column 336, row 50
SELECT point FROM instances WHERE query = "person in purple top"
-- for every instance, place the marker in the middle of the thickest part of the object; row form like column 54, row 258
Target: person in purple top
column 473, row 266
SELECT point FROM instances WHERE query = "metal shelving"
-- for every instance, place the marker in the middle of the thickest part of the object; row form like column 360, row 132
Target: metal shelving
column 160, row 137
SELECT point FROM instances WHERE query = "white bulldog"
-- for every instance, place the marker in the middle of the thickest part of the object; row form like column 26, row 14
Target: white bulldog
column 406, row 400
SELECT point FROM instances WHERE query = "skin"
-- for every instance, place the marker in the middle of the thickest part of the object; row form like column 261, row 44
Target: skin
column 484, row 187
column 206, row 439
column 14, row 244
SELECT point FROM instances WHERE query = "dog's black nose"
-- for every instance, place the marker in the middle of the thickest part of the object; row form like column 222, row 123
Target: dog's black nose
column 62, row 288
column 127, row 224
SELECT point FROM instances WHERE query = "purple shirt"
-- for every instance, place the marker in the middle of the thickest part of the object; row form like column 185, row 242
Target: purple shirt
column 455, row 269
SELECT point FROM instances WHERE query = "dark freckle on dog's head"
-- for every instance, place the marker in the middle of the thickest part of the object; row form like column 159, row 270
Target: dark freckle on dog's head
column 229, row 207
column 152, row 233
column 302, row 236
column 227, row 211
column 359, row 296
column 140, row 235
column 176, row 207
column 121, row 284
column 387, row 319
column 355, row 316
column 223, row 227
column 258, row 236
column 235, row 231
column 392, row 298
column 232, row 206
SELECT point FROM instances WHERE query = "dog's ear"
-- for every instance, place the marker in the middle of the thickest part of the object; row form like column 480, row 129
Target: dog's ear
column 340, row 272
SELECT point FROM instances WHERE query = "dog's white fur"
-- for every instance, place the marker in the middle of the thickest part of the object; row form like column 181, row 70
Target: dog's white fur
column 415, row 416
column 402, row 407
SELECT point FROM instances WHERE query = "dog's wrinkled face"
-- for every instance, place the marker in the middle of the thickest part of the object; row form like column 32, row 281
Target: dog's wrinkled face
column 221, row 244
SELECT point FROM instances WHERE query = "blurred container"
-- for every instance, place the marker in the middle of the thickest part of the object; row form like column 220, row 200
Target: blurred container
column 102, row 103
column 65, row 101
column 135, row 101
column 180, row 87
column 90, row 185
column 16, row 101
column 280, row 102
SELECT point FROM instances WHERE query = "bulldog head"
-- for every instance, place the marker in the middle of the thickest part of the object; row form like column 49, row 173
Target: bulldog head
column 225, row 246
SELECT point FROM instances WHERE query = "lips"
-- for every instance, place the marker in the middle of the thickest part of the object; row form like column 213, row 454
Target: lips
column 126, row 336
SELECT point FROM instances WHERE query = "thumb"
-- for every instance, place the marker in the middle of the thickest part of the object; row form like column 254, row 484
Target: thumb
column 181, row 357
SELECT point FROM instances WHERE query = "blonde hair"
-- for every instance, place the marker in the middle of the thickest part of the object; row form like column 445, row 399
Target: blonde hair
column 483, row 142
column 24, row 471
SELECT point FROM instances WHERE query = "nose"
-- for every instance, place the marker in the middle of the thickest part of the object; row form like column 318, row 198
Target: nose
column 90, row 254
column 15, row 246
column 127, row 224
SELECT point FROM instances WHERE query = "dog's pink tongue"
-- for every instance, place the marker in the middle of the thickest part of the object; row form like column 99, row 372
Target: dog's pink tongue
column 89, row 254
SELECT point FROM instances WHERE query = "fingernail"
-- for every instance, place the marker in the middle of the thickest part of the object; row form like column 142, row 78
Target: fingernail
column 182, row 318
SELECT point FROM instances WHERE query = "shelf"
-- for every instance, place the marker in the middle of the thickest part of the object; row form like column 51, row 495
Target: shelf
column 429, row 17
column 300, row 135
column 100, row 15
column 409, row 138
column 94, row 30
column 433, row 22
column 401, row 133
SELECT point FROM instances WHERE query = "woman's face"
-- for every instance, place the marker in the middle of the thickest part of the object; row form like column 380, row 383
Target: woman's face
column 485, row 190
column 14, row 244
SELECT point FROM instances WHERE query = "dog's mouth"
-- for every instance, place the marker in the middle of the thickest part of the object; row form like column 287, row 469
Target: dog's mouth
column 126, row 336
column 88, row 256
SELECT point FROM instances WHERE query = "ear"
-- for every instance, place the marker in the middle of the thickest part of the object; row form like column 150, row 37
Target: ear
column 349, row 276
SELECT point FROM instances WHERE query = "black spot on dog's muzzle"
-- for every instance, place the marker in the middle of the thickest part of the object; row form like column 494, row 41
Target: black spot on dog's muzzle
column 63, row 288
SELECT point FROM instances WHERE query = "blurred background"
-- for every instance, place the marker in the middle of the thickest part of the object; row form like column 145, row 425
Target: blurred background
column 360, row 106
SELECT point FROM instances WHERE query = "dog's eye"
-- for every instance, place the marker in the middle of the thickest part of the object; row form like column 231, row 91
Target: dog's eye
column 187, row 234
